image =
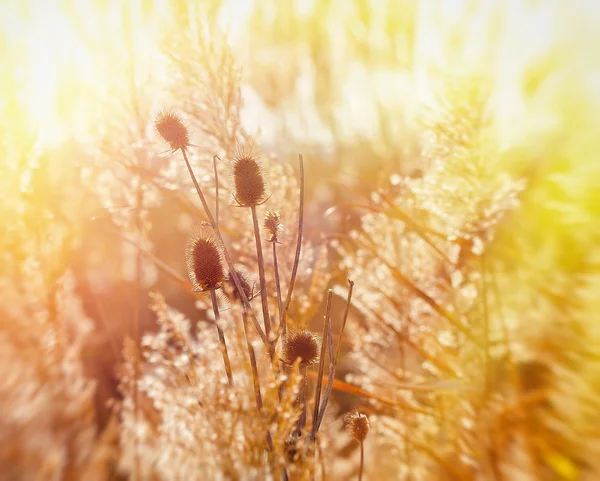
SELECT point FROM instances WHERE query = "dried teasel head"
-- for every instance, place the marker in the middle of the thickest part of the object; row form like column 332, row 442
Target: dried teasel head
column 246, row 280
column 303, row 345
column 272, row 225
column 357, row 425
column 171, row 128
column 204, row 261
column 248, row 179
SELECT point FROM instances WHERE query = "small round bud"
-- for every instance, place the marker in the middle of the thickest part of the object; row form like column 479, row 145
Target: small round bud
column 357, row 425
column 303, row 345
column 272, row 225
column 172, row 129
column 204, row 262
column 248, row 179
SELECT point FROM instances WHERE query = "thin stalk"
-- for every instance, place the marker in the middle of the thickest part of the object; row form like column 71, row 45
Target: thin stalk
column 346, row 312
column 217, row 231
column 298, row 245
column 326, row 337
column 362, row 461
column 255, row 378
column 333, row 363
column 213, row 298
column 278, row 287
column 302, row 399
column 261, row 273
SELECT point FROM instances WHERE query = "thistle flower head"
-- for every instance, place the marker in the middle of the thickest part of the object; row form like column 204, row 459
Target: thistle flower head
column 357, row 425
column 302, row 344
column 272, row 225
column 248, row 179
column 171, row 128
column 204, row 262
column 246, row 281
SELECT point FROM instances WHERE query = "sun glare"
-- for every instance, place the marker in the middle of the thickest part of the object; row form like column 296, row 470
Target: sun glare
column 64, row 55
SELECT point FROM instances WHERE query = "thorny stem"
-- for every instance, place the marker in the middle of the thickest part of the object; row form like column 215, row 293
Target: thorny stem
column 333, row 360
column 215, row 226
column 215, row 157
column 326, row 336
column 213, row 298
column 362, row 461
column 261, row 274
column 288, row 299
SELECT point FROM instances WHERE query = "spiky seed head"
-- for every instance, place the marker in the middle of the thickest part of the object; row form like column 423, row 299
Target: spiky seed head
column 357, row 425
column 246, row 280
column 272, row 225
column 171, row 128
column 248, row 179
column 204, row 261
column 304, row 345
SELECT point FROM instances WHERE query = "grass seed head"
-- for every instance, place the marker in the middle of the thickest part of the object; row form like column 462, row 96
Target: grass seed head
column 357, row 425
column 272, row 225
column 204, row 262
column 302, row 344
column 171, row 128
column 248, row 179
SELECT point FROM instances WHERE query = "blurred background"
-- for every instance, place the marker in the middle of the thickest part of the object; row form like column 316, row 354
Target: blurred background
column 476, row 119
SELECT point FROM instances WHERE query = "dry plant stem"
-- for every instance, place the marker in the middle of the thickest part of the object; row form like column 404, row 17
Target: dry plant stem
column 346, row 312
column 333, row 360
column 278, row 286
column 255, row 378
column 302, row 400
column 217, row 231
column 288, row 299
column 261, row 273
column 362, row 461
column 213, row 298
column 326, row 338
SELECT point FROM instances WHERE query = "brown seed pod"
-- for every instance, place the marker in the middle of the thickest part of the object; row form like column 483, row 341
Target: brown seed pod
column 357, row 425
column 204, row 261
column 248, row 179
column 302, row 344
column 172, row 129
column 246, row 280
column 272, row 225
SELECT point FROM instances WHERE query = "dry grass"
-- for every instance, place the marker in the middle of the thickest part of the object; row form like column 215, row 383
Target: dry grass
column 430, row 281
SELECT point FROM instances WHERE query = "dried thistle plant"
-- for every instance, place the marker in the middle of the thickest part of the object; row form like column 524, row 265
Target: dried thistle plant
column 358, row 426
column 207, row 273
